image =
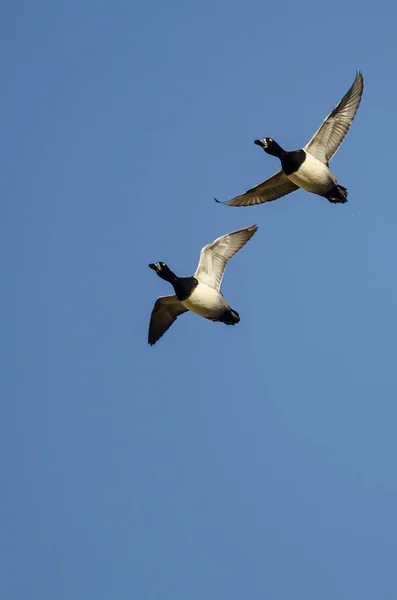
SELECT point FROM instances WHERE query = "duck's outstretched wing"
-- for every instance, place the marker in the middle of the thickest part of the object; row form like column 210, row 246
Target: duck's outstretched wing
column 165, row 311
column 332, row 132
column 214, row 256
column 273, row 188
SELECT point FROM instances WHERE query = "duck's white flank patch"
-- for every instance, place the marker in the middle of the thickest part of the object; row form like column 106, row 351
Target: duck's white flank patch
column 313, row 176
column 205, row 301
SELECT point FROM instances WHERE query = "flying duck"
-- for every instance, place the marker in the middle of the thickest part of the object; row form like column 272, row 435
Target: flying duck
column 201, row 293
column 307, row 168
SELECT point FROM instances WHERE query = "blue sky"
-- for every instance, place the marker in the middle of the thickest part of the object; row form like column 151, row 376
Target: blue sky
column 255, row 461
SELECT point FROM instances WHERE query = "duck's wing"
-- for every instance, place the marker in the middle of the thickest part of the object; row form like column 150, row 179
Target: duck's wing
column 332, row 132
column 165, row 311
column 214, row 256
column 275, row 187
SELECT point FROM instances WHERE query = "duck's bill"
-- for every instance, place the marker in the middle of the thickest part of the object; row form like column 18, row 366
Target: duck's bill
column 155, row 266
column 261, row 143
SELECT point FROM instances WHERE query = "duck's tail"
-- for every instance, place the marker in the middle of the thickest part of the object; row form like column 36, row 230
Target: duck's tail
column 337, row 194
column 230, row 317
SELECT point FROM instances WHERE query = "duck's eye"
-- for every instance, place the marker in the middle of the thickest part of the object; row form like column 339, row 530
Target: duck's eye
column 270, row 140
column 163, row 264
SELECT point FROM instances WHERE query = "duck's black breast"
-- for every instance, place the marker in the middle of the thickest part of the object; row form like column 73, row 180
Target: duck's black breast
column 184, row 286
column 291, row 161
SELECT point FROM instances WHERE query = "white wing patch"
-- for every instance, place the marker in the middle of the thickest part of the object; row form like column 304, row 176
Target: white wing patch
column 214, row 256
column 333, row 130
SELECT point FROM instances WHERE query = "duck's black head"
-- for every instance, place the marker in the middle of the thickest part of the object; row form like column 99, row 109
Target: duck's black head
column 270, row 146
column 163, row 271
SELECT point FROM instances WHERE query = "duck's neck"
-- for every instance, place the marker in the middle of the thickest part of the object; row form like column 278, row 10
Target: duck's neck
column 276, row 150
column 169, row 276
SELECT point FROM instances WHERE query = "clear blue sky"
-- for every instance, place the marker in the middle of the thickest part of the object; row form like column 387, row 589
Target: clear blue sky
column 256, row 461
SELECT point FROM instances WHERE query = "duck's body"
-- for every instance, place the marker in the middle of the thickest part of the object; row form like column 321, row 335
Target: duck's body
column 199, row 298
column 206, row 302
column 307, row 168
column 200, row 293
column 306, row 171
column 311, row 174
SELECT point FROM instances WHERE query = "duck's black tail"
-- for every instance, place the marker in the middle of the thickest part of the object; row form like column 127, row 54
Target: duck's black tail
column 337, row 195
column 230, row 317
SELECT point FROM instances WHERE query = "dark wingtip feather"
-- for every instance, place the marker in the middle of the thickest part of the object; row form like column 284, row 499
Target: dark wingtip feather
column 360, row 78
column 227, row 203
column 152, row 339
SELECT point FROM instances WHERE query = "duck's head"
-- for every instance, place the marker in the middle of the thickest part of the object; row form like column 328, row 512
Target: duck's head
column 270, row 146
column 162, row 270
